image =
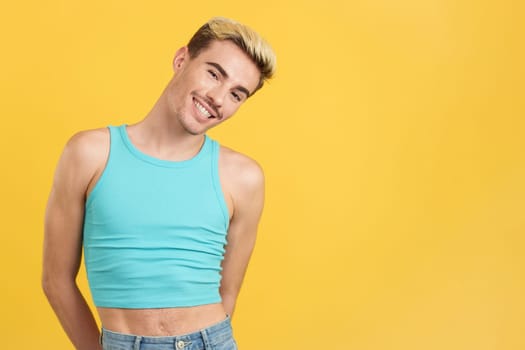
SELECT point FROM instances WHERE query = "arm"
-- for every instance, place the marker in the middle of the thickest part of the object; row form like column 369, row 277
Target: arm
column 244, row 185
column 76, row 169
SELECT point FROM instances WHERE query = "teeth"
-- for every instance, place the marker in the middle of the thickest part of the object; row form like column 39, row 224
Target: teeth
column 203, row 110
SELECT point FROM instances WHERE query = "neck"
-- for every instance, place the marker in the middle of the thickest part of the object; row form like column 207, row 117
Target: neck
column 161, row 135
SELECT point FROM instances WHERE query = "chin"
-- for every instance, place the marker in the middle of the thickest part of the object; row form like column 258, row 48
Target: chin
column 191, row 126
column 196, row 133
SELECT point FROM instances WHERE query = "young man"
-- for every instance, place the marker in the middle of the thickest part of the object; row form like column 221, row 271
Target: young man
column 167, row 217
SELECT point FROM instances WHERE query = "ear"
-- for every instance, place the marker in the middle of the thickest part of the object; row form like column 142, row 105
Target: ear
column 181, row 56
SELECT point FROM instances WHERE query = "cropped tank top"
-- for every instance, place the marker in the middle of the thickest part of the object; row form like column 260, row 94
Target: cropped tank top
column 155, row 230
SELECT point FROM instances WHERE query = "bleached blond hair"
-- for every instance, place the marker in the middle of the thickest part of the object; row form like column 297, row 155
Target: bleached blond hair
column 249, row 41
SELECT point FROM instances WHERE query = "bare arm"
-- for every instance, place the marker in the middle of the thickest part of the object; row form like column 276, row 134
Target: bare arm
column 77, row 168
column 244, row 183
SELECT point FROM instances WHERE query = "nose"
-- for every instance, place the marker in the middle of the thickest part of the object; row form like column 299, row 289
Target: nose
column 216, row 95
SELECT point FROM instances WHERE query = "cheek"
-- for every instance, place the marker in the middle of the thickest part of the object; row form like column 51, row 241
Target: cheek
column 199, row 80
column 231, row 109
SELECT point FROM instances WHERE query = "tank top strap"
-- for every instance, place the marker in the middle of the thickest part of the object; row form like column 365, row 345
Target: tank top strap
column 117, row 146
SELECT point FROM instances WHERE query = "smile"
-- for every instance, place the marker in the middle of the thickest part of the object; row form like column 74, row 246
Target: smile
column 202, row 110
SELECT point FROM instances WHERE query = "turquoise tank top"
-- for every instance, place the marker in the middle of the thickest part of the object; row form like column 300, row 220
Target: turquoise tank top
column 155, row 230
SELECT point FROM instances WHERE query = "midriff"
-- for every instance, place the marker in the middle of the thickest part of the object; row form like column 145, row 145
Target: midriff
column 161, row 322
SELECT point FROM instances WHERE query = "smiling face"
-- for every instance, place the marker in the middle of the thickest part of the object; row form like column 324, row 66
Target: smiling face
column 208, row 89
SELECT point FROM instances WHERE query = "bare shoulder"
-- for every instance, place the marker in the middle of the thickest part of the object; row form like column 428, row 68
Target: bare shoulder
column 83, row 158
column 242, row 179
column 89, row 142
column 88, row 148
column 239, row 169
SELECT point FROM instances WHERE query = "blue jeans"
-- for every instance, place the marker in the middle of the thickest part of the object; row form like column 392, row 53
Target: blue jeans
column 216, row 337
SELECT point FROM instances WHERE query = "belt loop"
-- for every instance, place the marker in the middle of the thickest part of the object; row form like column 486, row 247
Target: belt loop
column 205, row 340
column 138, row 340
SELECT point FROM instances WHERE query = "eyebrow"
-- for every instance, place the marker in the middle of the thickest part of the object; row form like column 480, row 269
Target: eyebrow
column 224, row 74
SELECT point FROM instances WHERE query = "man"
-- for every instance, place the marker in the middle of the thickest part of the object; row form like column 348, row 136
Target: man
column 167, row 217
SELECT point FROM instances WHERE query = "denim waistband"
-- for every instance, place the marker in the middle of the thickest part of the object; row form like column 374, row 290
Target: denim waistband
column 206, row 338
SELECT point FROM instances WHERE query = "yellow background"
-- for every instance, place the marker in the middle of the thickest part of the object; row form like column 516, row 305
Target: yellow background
column 392, row 139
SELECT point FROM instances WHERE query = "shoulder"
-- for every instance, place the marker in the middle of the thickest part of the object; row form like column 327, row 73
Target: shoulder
column 239, row 169
column 242, row 179
column 88, row 141
column 84, row 155
column 88, row 146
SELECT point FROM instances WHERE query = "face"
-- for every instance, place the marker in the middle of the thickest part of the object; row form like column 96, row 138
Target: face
column 208, row 89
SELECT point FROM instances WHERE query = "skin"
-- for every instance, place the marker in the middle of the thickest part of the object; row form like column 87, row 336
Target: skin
column 220, row 79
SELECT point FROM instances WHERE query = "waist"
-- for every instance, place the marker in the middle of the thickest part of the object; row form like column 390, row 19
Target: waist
column 161, row 321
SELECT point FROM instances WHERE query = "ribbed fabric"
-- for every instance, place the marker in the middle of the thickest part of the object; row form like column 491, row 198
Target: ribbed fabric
column 155, row 230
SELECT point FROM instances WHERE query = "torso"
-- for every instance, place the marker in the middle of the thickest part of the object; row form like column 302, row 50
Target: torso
column 164, row 321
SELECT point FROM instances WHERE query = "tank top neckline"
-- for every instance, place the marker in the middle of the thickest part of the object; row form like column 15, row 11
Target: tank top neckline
column 162, row 162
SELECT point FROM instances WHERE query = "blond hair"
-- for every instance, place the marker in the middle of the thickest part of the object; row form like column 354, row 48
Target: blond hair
column 249, row 41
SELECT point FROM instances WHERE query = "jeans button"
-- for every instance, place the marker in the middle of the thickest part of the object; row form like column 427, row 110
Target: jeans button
column 180, row 344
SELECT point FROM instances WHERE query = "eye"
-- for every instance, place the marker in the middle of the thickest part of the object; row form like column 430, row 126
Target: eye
column 213, row 74
column 236, row 97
